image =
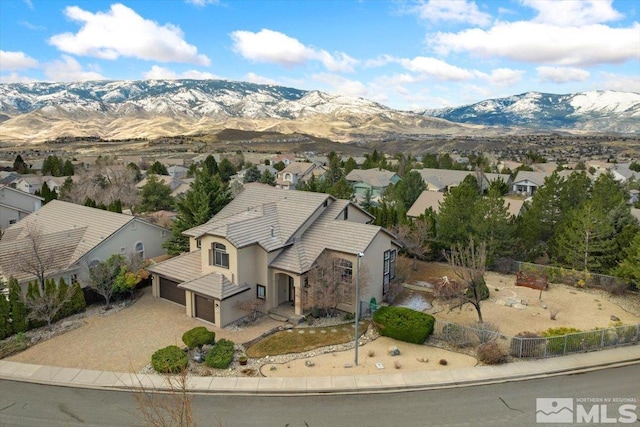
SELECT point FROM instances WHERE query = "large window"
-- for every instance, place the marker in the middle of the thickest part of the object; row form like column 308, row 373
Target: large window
column 140, row 250
column 261, row 292
column 218, row 255
column 389, row 269
column 343, row 270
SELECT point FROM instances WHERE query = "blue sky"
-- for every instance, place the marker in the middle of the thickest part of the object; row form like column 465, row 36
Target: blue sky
column 403, row 54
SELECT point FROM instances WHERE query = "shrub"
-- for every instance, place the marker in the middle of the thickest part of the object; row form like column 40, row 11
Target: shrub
column 169, row 360
column 78, row 302
column 198, row 336
column 490, row 353
column 457, row 335
column 522, row 347
column 486, row 332
column 404, row 324
column 19, row 322
column 443, row 362
column 221, row 355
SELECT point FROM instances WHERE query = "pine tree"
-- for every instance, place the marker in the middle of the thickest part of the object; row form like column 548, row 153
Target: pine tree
column 5, row 316
column 455, row 218
column 206, row 197
column 156, row 195
column 585, row 241
column 267, row 178
column 67, row 308
column 19, row 313
column 78, row 302
column 492, row 224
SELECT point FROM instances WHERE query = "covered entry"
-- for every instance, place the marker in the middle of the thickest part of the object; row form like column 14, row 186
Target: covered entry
column 205, row 308
column 169, row 290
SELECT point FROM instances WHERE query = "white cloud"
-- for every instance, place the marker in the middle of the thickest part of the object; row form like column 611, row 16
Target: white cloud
column 160, row 73
column 122, row 32
column 461, row 11
column 202, row 3
column 501, row 76
column 545, row 43
column 15, row 78
column 262, row 80
column 341, row 85
column 275, row 47
column 573, row 13
column 436, row 68
column 561, row 74
column 380, row 61
column 620, row 82
column 15, row 61
column 67, row 69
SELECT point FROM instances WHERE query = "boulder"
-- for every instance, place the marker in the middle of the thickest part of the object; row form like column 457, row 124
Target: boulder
column 393, row 351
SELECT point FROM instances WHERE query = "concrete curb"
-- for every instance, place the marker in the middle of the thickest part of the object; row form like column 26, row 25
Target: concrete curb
column 357, row 384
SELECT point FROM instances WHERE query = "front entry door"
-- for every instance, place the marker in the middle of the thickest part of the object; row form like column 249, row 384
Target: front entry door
column 292, row 290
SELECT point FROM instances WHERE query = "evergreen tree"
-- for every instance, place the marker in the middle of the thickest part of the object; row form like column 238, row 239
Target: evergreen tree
column 492, row 224
column 115, row 206
column 341, row 189
column 78, row 301
column 67, row 168
column 135, row 169
column 206, row 197
column 313, row 184
column 211, row 164
column 430, row 161
column 20, row 166
column 350, row 165
column 252, row 174
column 334, row 173
column 629, row 268
column 407, row 190
column 267, row 178
column 5, row 316
column 19, row 322
column 226, row 170
column 155, row 195
column 585, row 241
column 158, row 168
column 455, row 220
column 67, row 308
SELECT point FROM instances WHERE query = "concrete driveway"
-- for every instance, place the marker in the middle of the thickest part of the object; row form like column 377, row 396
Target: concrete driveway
column 124, row 341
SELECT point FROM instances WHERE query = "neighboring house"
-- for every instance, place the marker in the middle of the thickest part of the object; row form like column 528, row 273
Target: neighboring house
column 444, row 179
column 427, row 199
column 526, row 183
column 265, row 245
column 241, row 174
column 178, row 186
column 72, row 237
column 177, row 171
column 289, row 177
column 15, row 205
column 28, row 183
column 374, row 180
column 286, row 158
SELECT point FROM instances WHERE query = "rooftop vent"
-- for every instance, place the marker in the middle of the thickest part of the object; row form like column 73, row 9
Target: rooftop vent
column 272, row 231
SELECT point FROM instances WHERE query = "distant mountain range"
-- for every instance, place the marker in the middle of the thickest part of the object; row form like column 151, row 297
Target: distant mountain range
column 597, row 111
column 36, row 112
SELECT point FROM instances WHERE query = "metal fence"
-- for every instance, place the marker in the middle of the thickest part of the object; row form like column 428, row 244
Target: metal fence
column 539, row 347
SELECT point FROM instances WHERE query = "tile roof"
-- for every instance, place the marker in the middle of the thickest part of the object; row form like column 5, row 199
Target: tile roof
column 66, row 224
column 373, row 177
column 262, row 214
column 182, row 268
column 535, row 177
column 427, row 199
column 214, row 285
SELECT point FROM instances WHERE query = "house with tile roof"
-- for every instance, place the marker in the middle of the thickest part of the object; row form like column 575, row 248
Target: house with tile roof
column 433, row 199
column 15, row 205
column 264, row 246
column 374, row 180
column 298, row 172
column 72, row 237
column 444, row 179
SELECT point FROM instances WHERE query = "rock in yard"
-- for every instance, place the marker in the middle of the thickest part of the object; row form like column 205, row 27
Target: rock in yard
column 309, row 364
column 393, row 351
column 615, row 318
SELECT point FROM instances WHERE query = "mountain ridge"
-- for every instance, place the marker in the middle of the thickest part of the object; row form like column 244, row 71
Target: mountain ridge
column 120, row 109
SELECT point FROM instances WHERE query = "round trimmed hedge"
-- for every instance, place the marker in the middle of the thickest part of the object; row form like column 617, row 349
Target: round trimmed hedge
column 221, row 355
column 404, row 324
column 169, row 360
column 198, row 336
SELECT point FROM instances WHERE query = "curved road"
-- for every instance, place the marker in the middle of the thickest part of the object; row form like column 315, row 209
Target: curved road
column 509, row 404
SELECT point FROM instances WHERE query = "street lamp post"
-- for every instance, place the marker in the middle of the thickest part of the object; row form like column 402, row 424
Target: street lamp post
column 357, row 314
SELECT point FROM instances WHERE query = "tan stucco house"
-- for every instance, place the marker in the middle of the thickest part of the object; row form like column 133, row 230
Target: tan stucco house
column 265, row 245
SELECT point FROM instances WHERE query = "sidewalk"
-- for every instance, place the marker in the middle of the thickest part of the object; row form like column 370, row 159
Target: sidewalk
column 422, row 380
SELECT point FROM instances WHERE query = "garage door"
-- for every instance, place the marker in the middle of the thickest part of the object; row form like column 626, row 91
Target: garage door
column 205, row 309
column 169, row 290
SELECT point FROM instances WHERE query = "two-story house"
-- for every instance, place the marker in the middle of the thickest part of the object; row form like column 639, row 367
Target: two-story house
column 297, row 172
column 15, row 205
column 265, row 244
column 373, row 181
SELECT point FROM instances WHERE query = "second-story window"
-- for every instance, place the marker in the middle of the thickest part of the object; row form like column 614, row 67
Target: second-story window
column 220, row 255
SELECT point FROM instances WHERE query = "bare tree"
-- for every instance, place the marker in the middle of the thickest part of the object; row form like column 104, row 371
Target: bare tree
column 332, row 282
column 173, row 408
column 468, row 264
column 102, row 276
column 34, row 255
column 105, row 184
column 251, row 307
column 46, row 306
column 415, row 238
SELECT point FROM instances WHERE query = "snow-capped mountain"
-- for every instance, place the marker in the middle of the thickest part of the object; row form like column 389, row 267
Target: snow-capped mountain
column 604, row 111
column 152, row 108
column 35, row 112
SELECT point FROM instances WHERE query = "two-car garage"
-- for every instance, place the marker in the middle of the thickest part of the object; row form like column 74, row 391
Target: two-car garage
column 204, row 306
column 169, row 290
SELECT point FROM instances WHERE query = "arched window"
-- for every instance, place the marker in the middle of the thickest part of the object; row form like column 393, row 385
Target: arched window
column 140, row 250
column 218, row 255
